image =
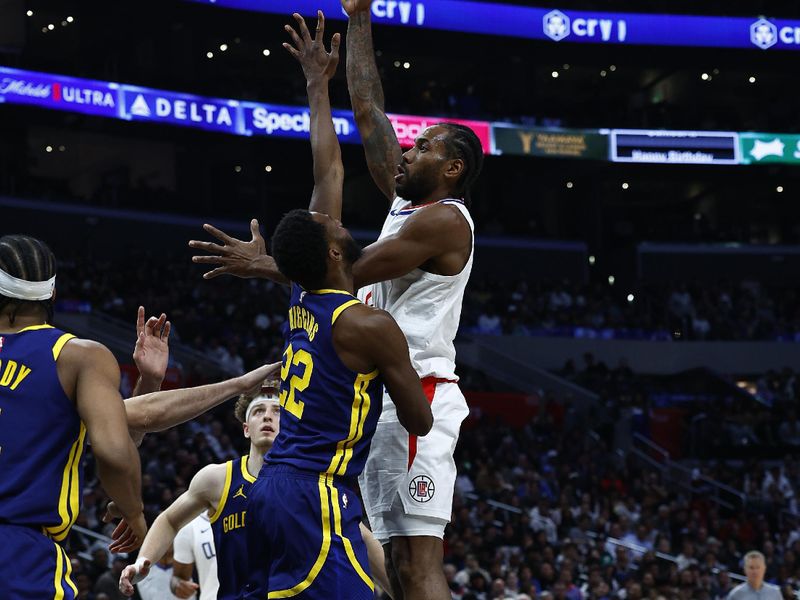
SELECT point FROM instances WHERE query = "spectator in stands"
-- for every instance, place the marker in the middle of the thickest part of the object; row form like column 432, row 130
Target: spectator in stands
column 755, row 588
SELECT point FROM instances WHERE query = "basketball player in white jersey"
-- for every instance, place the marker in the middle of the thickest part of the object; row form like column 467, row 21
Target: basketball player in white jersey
column 194, row 548
column 417, row 271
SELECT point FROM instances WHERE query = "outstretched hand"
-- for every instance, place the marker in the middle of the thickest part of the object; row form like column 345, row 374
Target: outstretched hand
column 151, row 353
column 234, row 257
column 310, row 52
column 353, row 6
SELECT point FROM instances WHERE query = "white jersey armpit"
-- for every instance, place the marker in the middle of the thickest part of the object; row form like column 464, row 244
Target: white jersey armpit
column 407, row 483
column 426, row 306
column 195, row 544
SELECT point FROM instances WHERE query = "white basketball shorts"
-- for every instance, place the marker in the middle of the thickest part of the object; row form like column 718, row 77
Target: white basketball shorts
column 407, row 483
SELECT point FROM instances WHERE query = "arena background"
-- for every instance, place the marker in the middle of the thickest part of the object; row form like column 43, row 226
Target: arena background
column 629, row 340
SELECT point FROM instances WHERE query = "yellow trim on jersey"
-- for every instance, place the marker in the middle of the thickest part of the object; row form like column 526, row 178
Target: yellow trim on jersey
column 328, row 291
column 69, row 497
column 36, row 328
column 59, row 574
column 348, row 547
column 225, row 491
column 59, row 345
column 358, row 416
column 343, row 308
column 245, row 471
column 323, row 551
column 68, row 575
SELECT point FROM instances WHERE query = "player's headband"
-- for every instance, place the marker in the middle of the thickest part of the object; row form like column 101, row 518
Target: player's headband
column 12, row 287
column 261, row 399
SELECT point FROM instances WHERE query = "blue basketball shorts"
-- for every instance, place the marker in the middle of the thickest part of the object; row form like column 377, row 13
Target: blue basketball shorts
column 32, row 566
column 303, row 538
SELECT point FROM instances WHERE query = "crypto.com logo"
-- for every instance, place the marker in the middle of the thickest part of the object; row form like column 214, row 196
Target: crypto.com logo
column 556, row 25
column 763, row 34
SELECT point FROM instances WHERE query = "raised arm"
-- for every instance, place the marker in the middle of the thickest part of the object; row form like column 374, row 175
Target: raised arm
column 366, row 95
column 151, row 352
column 161, row 410
column 319, row 66
column 100, row 407
column 203, row 494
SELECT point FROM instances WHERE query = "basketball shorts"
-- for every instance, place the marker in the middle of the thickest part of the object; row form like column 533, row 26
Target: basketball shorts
column 32, row 566
column 407, row 483
column 303, row 538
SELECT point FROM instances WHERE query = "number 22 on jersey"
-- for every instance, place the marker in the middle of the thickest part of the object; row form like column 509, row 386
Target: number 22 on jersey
column 296, row 383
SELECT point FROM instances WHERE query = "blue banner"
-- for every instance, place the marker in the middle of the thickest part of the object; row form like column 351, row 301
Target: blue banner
column 59, row 93
column 135, row 103
column 211, row 114
column 293, row 122
column 553, row 24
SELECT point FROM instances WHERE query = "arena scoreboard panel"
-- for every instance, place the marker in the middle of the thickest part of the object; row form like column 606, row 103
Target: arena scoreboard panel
column 675, row 147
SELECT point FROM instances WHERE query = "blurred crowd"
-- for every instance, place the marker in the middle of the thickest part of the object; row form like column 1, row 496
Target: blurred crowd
column 724, row 311
column 545, row 511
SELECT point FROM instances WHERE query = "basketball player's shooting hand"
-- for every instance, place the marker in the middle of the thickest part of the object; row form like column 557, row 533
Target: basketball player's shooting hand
column 318, row 64
column 234, row 257
column 151, row 353
column 133, row 574
column 353, row 6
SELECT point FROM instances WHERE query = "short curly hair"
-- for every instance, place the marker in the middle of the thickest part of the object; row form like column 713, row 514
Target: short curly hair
column 300, row 249
column 270, row 387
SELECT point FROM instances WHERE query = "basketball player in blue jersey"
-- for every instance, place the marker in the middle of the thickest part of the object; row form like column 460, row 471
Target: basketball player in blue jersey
column 417, row 271
column 56, row 392
column 221, row 491
column 304, row 514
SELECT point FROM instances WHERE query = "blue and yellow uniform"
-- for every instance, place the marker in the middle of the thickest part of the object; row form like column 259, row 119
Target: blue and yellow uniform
column 227, row 524
column 303, row 514
column 42, row 440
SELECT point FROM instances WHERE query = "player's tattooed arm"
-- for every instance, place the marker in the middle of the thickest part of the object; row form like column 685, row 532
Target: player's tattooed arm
column 366, row 95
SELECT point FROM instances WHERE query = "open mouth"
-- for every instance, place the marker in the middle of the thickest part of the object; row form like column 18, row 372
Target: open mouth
column 400, row 173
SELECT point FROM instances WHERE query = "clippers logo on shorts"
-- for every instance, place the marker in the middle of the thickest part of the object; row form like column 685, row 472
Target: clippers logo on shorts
column 556, row 25
column 421, row 488
column 763, row 34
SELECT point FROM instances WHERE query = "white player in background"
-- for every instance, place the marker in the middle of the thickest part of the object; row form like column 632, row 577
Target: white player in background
column 194, row 549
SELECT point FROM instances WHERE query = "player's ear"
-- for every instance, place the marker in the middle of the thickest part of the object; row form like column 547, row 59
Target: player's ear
column 335, row 253
column 454, row 169
column 246, row 430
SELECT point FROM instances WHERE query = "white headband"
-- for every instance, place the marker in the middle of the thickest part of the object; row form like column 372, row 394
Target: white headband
column 20, row 289
column 258, row 401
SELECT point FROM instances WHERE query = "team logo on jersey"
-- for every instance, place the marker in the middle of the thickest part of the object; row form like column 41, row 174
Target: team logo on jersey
column 1, row 343
column 302, row 295
column 421, row 488
column 344, row 501
column 240, row 493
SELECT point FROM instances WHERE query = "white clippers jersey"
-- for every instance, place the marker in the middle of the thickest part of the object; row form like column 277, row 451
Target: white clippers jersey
column 195, row 544
column 427, row 307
